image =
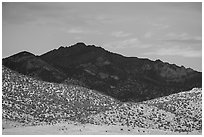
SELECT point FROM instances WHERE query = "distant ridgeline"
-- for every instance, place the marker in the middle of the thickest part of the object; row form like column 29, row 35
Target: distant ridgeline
column 124, row 78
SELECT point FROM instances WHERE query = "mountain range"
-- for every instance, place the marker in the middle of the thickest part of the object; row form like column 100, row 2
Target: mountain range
column 123, row 78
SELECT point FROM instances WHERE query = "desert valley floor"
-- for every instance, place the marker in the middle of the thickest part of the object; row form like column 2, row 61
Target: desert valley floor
column 88, row 129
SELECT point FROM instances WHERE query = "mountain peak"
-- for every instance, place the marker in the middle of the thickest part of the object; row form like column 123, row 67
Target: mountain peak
column 77, row 45
column 83, row 45
column 23, row 53
column 80, row 44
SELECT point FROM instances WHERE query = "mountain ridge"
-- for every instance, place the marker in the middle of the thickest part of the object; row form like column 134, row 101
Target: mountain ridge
column 124, row 78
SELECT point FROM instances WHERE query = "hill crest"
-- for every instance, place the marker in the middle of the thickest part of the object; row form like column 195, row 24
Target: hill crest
column 124, row 78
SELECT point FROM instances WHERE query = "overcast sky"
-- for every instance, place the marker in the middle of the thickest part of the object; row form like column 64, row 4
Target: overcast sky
column 171, row 32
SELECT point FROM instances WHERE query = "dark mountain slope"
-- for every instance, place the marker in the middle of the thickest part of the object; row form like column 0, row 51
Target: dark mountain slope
column 124, row 78
column 29, row 64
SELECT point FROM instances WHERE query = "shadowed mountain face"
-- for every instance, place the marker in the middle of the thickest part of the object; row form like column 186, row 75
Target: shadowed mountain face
column 29, row 64
column 124, row 78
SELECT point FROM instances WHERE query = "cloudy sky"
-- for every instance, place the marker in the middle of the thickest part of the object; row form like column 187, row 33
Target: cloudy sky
column 171, row 32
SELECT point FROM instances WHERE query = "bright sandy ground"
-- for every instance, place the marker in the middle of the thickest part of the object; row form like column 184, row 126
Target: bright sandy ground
column 86, row 129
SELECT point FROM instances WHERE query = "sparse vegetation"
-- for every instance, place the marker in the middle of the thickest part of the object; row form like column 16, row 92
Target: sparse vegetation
column 158, row 114
column 29, row 101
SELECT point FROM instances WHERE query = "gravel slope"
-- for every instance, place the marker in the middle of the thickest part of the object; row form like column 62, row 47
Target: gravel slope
column 41, row 107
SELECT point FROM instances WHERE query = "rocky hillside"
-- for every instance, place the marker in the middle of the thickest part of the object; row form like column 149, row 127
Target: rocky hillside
column 181, row 112
column 124, row 78
column 31, row 101
column 28, row 101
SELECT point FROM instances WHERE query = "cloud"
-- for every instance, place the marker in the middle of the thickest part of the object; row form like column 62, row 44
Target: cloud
column 160, row 26
column 119, row 34
column 28, row 12
column 76, row 31
column 148, row 35
column 182, row 38
column 176, row 51
column 99, row 19
column 187, row 41
column 127, row 43
column 103, row 19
